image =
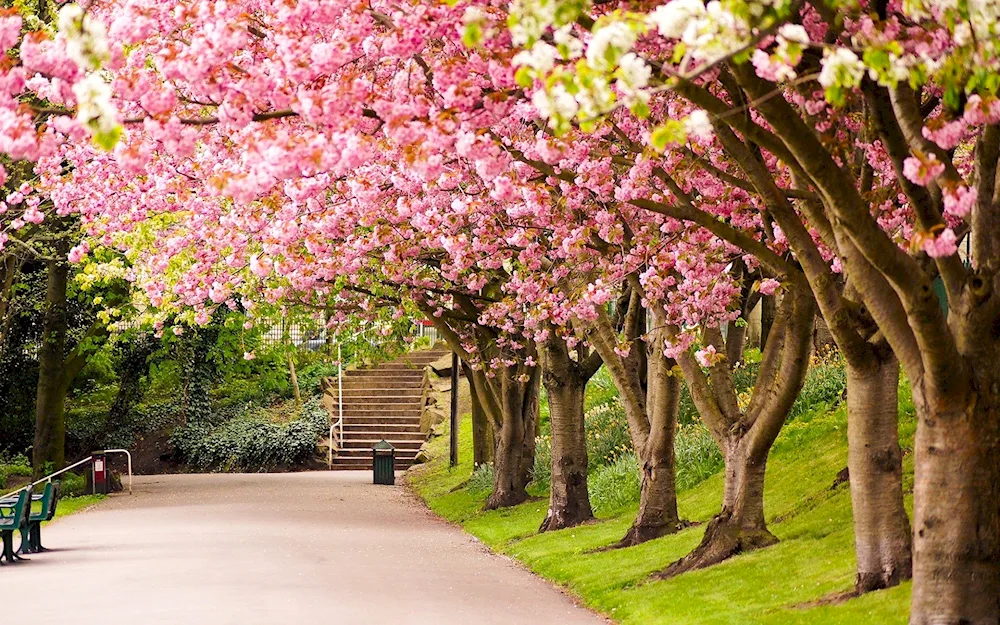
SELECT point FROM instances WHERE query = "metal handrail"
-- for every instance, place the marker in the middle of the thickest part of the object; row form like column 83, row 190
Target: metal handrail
column 51, row 476
column 340, row 406
column 48, row 478
column 126, row 452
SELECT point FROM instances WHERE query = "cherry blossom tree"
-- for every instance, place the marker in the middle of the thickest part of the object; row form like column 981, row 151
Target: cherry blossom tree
column 921, row 78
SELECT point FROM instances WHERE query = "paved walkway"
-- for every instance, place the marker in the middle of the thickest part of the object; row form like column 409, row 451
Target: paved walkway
column 271, row 550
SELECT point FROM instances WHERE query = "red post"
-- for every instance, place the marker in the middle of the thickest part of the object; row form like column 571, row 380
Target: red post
column 102, row 485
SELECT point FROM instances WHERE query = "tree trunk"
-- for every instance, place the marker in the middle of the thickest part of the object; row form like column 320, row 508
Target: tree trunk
column 736, row 340
column 569, row 501
column 740, row 527
column 767, row 312
column 875, row 464
column 956, row 538
column 514, row 453
column 482, row 439
column 50, row 405
column 658, row 515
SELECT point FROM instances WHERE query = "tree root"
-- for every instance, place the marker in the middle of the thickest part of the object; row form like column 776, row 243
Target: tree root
column 562, row 519
column 723, row 539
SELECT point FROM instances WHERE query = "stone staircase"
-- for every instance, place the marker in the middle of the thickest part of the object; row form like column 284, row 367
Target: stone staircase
column 384, row 402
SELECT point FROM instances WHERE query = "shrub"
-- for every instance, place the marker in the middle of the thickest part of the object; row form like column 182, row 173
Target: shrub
column 615, row 486
column 311, row 375
column 72, row 485
column 481, row 480
column 698, row 457
column 15, row 466
column 601, row 389
column 541, row 473
column 607, row 433
column 825, row 384
column 252, row 442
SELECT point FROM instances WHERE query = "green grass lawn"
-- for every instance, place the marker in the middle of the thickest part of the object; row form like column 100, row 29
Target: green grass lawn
column 786, row 583
column 71, row 505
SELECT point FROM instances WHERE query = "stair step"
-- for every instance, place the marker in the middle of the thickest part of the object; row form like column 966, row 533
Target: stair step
column 382, row 399
column 358, row 385
column 367, row 453
column 406, row 374
column 397, row 408
column 396, row 438
column 368, row 443
column 352, row 426
column 380, row 431
column 379, row 420
column 400, row 390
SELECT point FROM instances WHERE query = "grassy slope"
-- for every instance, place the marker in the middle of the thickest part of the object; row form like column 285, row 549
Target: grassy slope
column 814, row 559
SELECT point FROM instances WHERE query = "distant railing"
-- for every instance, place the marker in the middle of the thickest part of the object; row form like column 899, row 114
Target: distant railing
column 51, row 476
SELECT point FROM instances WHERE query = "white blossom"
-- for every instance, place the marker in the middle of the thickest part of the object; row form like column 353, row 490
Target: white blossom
column 698, row 125
column 93, row 104
column 609, row 44
column 565, row 40
column 842, row 68
column 86, row 38
column 634, row 71
column 555, row 104
column 541, row 57
column 793, row 32
column 674, row 17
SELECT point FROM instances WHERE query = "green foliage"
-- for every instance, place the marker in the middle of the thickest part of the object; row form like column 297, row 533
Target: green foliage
column 826, row 382
column 312, row 374
column 744, row 378
column 614, row 486
column 541, row 472
column 607, row 431
column 253, row 441
column 72, row 485
column 600, row 389
column 698, row 457
column 481, row 482
column 14, row 466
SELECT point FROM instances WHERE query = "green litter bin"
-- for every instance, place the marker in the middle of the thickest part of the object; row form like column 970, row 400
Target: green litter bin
column 384, row 462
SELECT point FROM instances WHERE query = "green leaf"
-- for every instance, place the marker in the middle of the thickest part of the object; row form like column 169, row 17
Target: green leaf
column 108, row 139
column 523, row 77
column 668, row 133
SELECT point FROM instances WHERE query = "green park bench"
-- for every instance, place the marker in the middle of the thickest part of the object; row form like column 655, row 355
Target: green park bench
column 43, row 508
column 13, row 513
column 47, row 502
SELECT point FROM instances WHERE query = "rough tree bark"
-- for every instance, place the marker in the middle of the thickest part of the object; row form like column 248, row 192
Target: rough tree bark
column 767, row 312
column 956, row 541
column 652, row 419
column 514, row 453
column 508, row 395
column 565, row 381
column 875, row 465
column 745, row 436
column 482, row 436
column 50, row 405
